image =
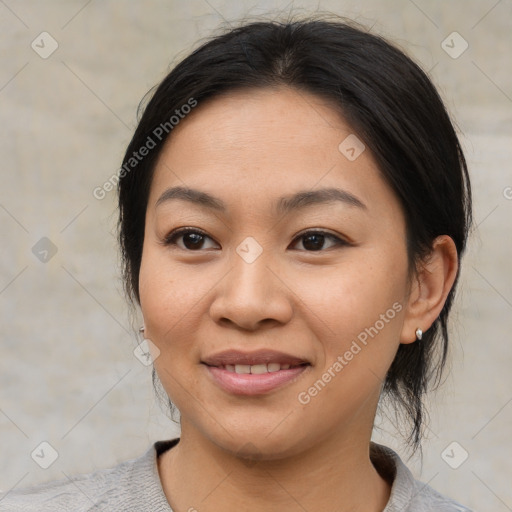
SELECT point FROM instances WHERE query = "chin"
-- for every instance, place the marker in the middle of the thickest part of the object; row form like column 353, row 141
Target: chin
column 260, row 441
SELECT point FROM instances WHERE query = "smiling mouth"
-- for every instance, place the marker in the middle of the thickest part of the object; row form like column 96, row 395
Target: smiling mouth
column 254, row 380
column 254, row 373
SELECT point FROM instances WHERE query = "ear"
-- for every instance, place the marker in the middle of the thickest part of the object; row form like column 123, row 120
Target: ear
column 429, row 288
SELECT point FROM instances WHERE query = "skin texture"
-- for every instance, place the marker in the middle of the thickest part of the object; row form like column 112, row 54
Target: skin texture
column 248, row 149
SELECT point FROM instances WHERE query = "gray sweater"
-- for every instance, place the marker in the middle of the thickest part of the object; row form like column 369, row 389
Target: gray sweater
column 135, row 486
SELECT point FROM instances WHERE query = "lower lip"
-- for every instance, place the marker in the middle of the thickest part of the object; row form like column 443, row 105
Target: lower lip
column 253, row 384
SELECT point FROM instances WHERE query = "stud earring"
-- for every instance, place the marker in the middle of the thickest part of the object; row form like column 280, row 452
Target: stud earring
column 141, row 330
column 419, row 333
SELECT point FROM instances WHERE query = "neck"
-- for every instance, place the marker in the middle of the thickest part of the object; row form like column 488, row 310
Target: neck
column 198, row 475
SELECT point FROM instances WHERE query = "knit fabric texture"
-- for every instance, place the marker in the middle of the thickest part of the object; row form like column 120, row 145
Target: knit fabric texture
column 135, row 486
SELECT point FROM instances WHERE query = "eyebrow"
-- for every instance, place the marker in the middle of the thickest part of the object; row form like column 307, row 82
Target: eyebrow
column 284, row 204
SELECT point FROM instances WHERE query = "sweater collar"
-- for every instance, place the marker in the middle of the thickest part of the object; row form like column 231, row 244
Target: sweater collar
column 386, row 461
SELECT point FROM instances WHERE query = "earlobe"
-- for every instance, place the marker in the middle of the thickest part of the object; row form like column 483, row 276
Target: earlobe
column 432, row 283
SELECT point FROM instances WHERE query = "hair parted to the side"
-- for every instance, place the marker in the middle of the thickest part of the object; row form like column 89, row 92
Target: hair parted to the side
column 393, row 108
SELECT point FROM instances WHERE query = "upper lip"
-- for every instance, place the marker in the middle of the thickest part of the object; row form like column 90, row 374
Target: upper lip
column 264, row 356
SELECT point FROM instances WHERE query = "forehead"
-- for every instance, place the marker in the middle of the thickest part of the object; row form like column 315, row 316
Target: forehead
column 269, row 119
column 263, row 143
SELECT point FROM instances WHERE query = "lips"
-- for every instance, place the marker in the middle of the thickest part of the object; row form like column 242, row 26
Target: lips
column 256, row 358
column 253, row 373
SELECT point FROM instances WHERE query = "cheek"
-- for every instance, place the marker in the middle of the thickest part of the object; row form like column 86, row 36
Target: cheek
column 358, row 316
column 355, row 294
column 359, row 313
column 172, row 298
column 167, row 299
column 165, row 296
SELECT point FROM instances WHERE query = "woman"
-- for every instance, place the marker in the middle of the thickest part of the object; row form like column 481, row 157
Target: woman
column 293, row 206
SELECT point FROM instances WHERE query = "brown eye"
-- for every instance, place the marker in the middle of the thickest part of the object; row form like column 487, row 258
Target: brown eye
column 315, row 240
column 191, row 239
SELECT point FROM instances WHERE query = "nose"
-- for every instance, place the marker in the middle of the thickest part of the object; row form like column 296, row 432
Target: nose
column 252, row 295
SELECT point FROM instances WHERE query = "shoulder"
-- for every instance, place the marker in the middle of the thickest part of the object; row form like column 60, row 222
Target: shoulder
column 59, row 496
column 123, row 487
column 407, row 493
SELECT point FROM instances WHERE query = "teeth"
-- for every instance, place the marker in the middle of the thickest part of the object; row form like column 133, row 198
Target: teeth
column 256, row 368
column 259, row 368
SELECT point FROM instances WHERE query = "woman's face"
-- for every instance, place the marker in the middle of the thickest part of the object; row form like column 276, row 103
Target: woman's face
column 296, row 255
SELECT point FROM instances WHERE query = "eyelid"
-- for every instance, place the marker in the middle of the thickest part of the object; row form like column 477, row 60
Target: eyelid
column 170, row 238
column 339, row 241
column 181, row 231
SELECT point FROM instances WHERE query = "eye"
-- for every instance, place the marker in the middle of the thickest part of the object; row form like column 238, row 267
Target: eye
column 314, row 240
column 192, row 239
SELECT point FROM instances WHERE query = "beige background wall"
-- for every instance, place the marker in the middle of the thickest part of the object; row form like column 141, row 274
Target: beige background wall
column 68, row 375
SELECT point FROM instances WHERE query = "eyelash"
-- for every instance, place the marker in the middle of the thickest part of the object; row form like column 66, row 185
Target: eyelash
column 171, row 238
